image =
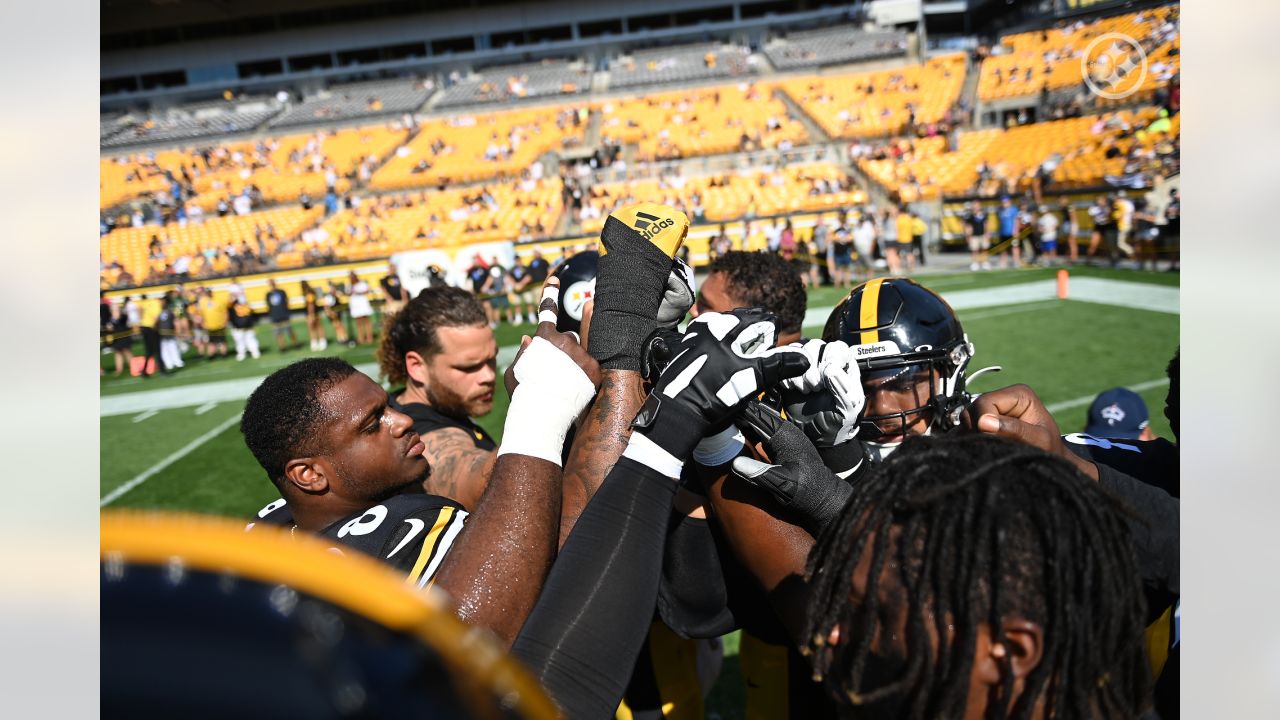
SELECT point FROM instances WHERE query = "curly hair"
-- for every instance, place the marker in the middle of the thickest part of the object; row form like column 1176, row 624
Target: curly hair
column 282, row 416
column 976, row 529
column 764, row 280
column 413, row 329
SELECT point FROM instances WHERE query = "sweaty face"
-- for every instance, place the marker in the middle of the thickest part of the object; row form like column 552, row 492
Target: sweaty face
column 714, row 296
column 371, row 446
column 903, row 393
column 461, row 377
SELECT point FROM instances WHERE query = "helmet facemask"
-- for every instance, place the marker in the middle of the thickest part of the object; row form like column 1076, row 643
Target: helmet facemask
column 944, row 370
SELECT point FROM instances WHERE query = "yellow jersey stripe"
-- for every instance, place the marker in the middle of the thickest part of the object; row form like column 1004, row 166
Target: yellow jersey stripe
column 869, row 312
column 429, row 544
column 764, row 670
column 1157, row 637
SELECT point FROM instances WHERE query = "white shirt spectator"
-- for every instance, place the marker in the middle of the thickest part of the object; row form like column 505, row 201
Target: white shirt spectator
column 241, row 204
column 1049, row 226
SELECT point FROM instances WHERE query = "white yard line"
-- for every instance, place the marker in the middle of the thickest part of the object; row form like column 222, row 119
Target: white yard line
column 206, row 408
column 167, row 461
column 1086, row 399
column 146, row 415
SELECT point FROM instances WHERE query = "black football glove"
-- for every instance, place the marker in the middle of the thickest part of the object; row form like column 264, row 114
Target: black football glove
column 637, row 247
column 800, row 482
column 723, row 360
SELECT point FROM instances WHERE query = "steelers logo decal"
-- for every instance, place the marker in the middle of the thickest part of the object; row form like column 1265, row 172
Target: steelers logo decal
column 575, row 297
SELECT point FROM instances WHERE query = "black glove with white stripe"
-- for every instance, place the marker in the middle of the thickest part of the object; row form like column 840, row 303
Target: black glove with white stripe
column 800, row 481
column 722, row 360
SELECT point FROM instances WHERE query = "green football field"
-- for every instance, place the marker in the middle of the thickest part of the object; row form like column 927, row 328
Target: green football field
column 186, row 452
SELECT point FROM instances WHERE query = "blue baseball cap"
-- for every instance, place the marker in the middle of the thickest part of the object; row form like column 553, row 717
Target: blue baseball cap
column 1117, row 413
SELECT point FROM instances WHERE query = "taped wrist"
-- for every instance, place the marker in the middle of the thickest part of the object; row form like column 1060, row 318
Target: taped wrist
column 552, row 392
column 631, row 281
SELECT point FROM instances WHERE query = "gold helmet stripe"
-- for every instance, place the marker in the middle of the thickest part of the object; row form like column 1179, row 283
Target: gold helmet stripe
column 868, row 312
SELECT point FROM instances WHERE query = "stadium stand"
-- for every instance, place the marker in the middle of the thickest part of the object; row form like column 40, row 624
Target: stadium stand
column 388, row 224
column 707, row 121
column 1024, row 63
column 498, row 84
column 760, row 192
column 833, row 46
column 678, row 64
column 197, row 121
column 1080, row 152
column 356, row 100
column 203, row 244
column 468, row 148
column 882, row 103
column 282, row 169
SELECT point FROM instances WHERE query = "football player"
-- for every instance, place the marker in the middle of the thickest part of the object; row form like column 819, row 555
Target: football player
column 912, row 354
column 440, row 355
column 350, row 468
column 744, row 279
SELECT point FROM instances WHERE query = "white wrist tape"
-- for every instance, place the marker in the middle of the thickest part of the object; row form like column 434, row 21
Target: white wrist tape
column 551, row 293
column 648, row 453
column 552, row 393
column 720, row 448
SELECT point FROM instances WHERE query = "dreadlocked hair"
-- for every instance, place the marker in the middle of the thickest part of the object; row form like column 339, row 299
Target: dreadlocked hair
column 975, row 529
column 413, row 329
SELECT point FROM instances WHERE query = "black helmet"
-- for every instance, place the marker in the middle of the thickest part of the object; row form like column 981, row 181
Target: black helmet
column 896, row 326
column 577, row 286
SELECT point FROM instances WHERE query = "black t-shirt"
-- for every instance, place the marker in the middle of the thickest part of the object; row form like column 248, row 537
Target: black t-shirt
column 1173, row 218
column 477, row 275
column 411, row 532
column 538, row 269
column 518, row 272
column 977, row 222
column 278, row 306
column 164, row 322
column 392, row 288
column 427, row 419
column 240, row 316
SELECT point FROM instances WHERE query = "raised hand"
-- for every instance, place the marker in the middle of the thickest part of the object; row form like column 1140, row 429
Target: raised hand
column 798, row 480
column 722, row 360
column 827, row 399
column 551, row 381
column 634, row 282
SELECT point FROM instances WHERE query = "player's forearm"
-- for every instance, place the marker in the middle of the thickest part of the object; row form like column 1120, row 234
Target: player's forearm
column 773, row 550
column 496, row 570
column 599, row 442
column 583, row 636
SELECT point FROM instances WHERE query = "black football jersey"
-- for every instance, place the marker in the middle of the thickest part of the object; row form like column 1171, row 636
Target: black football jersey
column 1154, row 462
column 427, row 419
column 411, row 532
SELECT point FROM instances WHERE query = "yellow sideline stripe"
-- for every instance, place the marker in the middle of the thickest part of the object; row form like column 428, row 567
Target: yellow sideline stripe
column 429, row 544
column 868, row 312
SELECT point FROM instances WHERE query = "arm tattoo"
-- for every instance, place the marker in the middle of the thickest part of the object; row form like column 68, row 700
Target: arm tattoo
column 599, row 442
column 459, row 469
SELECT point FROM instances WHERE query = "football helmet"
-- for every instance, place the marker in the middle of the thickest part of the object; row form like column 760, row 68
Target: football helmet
column 899, row 328
column 577, row 286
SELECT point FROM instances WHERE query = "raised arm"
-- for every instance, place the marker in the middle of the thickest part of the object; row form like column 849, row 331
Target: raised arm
column 587, row 628
column 496, row 570
column 636, row 292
